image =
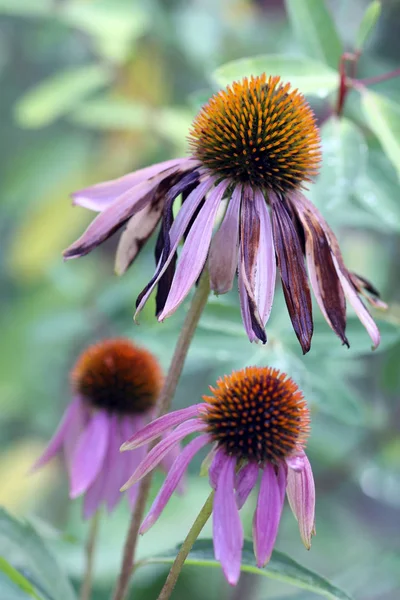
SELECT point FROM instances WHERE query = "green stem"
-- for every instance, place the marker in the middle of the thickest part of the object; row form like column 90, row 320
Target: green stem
column 186, row 547
column 90, row 548
column 198, row 303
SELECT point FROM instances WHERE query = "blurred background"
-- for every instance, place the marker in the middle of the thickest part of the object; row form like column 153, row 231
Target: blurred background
column 92, row 89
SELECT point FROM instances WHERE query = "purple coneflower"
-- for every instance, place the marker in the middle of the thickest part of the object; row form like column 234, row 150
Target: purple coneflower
column 257, row 420
column 115, row 387
column 254, row 145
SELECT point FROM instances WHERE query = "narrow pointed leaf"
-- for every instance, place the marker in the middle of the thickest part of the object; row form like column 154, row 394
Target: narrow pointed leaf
column 368, row 22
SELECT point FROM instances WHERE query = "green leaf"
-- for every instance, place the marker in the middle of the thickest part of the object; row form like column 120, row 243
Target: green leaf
column 280, row 567
column 19, row 580
column 309, row 76
column 368, row 22
column 26, row 8
column 383, row 118
column 111, row 114
column 344, row 152
column 59, row 94
column 315, row 30
column 27, row 552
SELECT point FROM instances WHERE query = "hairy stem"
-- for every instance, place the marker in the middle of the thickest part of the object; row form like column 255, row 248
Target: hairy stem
column 167, row 393
column 86, row 587
column 182, row 555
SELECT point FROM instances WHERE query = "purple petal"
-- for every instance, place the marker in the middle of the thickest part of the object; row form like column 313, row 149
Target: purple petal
column 227, row 527
column 216, row 465
column 58, row 438
column 156, row 454
column 89, row 455
column 172, row 480
column 267, row 515
column 77, row 425
column 119, row 468
column 169, row 460
column 194, row 252
column 301, row 495
column 176, row 233
column 157, row 427
column 223, row 258
column 357, row 304
column 100, row 196
column 246, row 479
column 266, row 261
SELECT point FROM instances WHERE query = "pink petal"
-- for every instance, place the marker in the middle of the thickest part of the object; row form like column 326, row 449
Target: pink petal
column 227, row 527
column 77, row 426
column 216, row 465
column 58, row 438
column 265, row 262
column 172, row 480
column 157, row 427
column 357, row 304
column 223, row 257
column 169, row 460
column 100, row 196
column 89, row 455
column 119, row 467
column 194, row 252
column 156, row 454
column 267, row 515
column 177, row 231
column 301, row 495
column 246, row 479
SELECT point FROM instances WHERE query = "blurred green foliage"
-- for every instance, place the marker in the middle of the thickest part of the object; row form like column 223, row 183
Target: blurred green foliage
column 94, row 89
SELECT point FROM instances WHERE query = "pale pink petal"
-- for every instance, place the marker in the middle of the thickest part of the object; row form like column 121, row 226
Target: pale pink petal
column 117, row 467
column 301, row 495
column 223, row 257
column 177, row 231
column 169, row 460
column 156, row 428
column 244, row 304
column 194, row 252
column 77, row 426
column 246, row 479
column 267, row 515
column 156, row 454
column 357, row 304
column 89, row 455
column 172, row 480
column 100, row 196
column 58, row 438
column 216, row 466
column 266, row 261
column 227, row 527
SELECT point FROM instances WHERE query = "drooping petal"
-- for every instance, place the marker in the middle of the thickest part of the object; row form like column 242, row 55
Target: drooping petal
column 169, row 460
column 301, row 495
column 100, row 196
column 223, row 256
column 89, row 455
column 172, row 480
column 215, row 467
column 176, row 233
column 246, row 479
column 156, row 454
column 266, row 261
column 121, row 467
column 293, row 273
column 267, row 515
column 57, row 440
column 194, row 252
column 142, row 224
column 324, row 279
column 156, row 428
column 76, row 427
column 227, row 527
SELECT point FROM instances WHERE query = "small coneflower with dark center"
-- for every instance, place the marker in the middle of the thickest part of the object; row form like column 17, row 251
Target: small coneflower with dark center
column 257, row 422
column 254, row 144
column 115, row 386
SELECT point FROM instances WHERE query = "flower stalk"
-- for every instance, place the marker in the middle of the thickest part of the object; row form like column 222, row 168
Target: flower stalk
column 187, row 545
column 90, row 551
column 167, row 393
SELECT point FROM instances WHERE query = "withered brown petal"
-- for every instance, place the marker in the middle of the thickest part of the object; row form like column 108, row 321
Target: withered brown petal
column 293, row 272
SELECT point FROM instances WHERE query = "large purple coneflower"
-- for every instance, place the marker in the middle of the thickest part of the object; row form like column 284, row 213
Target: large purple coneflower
column 254, row 145
column 257, row 420
column 115, row 387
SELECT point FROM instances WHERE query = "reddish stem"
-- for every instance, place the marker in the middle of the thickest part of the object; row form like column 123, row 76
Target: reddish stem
column 347, row 58
column 379, row 78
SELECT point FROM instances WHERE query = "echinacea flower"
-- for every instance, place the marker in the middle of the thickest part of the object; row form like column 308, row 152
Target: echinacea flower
column 258, row 422
column 254, row 145
column 115, row 386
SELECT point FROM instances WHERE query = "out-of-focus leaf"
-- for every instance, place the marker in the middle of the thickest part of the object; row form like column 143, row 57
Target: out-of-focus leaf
column 344, row 153
column 114, row 26
column 383, row 118
column 59, row 94
column 26, row 8
column 18, row 580
column 26, row 551
column 310, row 76
column 369, row 20
column 315, row 30
column 110, row 114
column 280, row 567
